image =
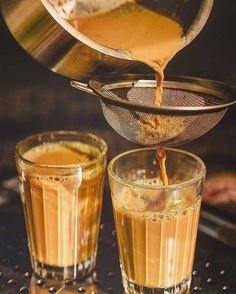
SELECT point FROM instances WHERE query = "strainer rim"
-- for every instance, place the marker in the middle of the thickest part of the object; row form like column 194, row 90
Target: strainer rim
column 212, row 87
column 181, row 185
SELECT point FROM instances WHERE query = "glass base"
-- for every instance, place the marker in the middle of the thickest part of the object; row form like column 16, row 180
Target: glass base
column 56, row 273
column 132, row 288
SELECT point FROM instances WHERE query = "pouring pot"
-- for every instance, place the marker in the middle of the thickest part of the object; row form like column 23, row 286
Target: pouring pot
column 40, row 28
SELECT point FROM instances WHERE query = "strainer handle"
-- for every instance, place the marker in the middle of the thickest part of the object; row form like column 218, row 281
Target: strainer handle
column 83, row 87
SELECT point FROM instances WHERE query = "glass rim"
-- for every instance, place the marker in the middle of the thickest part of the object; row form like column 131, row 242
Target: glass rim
column 183, row 184
column 101, row 155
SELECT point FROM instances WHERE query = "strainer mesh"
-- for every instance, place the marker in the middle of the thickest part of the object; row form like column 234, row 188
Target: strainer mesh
column 172, row 130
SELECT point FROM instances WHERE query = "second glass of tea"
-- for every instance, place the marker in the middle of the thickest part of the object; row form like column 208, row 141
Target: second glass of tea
column 61, row 177
column 156, row 225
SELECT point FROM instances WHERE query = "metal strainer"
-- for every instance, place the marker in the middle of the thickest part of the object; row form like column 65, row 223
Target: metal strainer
column 190, row 107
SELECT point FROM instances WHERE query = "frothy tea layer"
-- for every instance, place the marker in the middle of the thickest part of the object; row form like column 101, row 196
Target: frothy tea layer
column 62, row 153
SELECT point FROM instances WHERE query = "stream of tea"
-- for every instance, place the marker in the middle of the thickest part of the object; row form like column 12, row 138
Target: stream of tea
column 147, row 36
column 159, row 246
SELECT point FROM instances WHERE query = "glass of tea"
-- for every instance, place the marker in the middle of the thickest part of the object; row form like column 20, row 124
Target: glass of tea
column 61, row 177
column 156, row 225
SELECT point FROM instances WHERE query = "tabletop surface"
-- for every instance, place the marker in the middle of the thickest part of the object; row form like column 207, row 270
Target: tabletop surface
column 213, row 272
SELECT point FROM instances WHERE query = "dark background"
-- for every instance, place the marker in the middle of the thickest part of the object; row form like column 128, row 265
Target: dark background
column 33, row 99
